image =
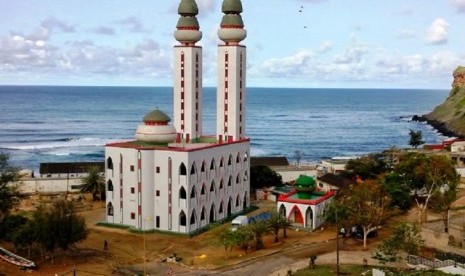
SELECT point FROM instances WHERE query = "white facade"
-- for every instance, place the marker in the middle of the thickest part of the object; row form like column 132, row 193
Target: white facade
column 307, row 215
column 174, row 189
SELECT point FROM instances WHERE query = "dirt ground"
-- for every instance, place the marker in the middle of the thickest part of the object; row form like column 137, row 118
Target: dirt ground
column 126, row 250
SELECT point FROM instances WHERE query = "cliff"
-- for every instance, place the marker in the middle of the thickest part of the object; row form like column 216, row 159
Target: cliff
column 449, row 117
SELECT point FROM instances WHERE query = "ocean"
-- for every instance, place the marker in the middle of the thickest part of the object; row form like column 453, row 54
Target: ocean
column 65, row 124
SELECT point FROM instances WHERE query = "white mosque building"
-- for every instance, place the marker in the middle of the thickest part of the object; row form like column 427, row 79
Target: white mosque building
column 172, row 177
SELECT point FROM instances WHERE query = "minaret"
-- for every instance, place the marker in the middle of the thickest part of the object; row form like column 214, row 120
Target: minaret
column 187, row 87
column 231, row 74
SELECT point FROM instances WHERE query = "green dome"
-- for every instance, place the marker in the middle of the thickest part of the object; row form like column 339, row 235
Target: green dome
column 232, row 20
column 305, row 183
column 187, row 22
column 156, row 116
column 459, row 70
column 188, row 8
column 231, row 6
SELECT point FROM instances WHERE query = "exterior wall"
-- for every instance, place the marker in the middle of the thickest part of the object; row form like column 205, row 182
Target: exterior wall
column 231, row 92
column 317, row 210
column 458, row 147
column 49, row 185
column 164, row 173
column 291, row 175
column 187, row 86
column 329, row 166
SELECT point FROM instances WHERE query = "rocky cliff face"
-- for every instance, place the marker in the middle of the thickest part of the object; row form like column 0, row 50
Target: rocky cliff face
column 451, row 113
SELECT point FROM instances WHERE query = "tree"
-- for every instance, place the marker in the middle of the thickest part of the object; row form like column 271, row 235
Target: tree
column 228, row 240
column 259, row 229
column 263, row 176
column 399, row 192
column 274, row 224
column 367, row 207
column 405, row 237
column 428, row 176
column 9, row 195
column 367, row 167
column 239, row 237
column 94, row 183
column 416, row 138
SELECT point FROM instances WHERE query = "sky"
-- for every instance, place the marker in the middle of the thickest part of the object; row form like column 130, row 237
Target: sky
column 290, row 43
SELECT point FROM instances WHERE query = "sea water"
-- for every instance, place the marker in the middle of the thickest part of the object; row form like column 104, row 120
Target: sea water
column 65, row 124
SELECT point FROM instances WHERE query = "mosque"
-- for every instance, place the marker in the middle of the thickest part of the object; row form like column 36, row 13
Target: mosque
column 172, row 177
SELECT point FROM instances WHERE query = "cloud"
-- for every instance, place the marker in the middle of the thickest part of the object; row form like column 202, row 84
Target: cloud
column 103, row 30
column 437, row 32
column 325, row 46
column 459, row 5
column 353, row 54
column 52, row 24
column 133, row 24
column 207, row 7
column 406, row 34
column 287, row 66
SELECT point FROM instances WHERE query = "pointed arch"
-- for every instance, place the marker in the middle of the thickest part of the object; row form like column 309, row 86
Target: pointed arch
column 182, row 218
column 246, row 156
column 309, row 218
column 109, row 185
column 182, row 169
column 229, row 210
column 110, row 211
column 213, row 164
column 202, row 168
column 203, row 190
column 221, row 208
column 221, row 184
column 212, row 217
column 222, row 162
column 296, row 215
column 193, row 219
column 109, row 163
column 182, row 193
column 238, row 201
column 203, row 214
column 193, row 169
column 238, row 180
column 245, row 201
column 230, row 181
column 230, row 160
column 193, row 192
column 246, row 176
column 213, row 186
column 238, row 158
column 282, row 211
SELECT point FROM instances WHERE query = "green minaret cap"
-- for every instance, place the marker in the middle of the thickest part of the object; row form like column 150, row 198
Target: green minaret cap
column 187, row 22
column 188, row 8
column 231, row 6
column 156, row 116
column 232, row 20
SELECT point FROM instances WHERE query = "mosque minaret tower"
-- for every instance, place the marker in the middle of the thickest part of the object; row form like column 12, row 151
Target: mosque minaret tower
column 173, row 177
column 231, row 74
column 187, row 86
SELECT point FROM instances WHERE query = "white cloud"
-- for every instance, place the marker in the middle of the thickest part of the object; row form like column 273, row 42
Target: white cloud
column 325, row 46
column 353, row 54
column 459, row 5
column 207, row 7
column 406, row 34
column 52, row 23
column 133, row 24
column 104, row 30
column 291, row 65
column 437, row 32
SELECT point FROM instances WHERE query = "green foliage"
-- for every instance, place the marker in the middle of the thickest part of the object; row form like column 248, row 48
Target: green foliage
column 263, row 176
column 367, row 167
column 405, row 237
column 94, row 183
column 240, row 237
column 259, row 229
column 416, row 138
column 9, row 195
column 399, row 191
column 10, row 224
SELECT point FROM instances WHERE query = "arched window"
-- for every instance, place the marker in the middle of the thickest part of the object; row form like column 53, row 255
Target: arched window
column 193, row 192
column 203, row 214
column 246, row 156
column 109, row 185
column 110, row 209
column 221, row 184
column 193, row 217
column 220, row 210
column 193, row 168
column 202, row 169
column 202, row 191
column 182, row 169
column 212, row 186
column 182, row 193
column 109, row 163
column 237, row 201
column 230, row 181
column 238, row 159
column 182, row 218
column 212, row 164
column 221, row 162
column 230, row 160
column 246, row 176
column 237, row 179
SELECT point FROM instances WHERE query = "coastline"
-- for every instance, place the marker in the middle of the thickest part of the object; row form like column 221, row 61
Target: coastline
column 441, row 127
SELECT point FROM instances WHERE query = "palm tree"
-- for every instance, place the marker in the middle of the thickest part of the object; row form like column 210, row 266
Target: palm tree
column 285, row 224
column 274, row 224
column 259, row 229
column 94, row 183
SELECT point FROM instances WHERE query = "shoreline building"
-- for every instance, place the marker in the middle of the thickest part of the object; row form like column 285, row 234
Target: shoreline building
column 172, row 177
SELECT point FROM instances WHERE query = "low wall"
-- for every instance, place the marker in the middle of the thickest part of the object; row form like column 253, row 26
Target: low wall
column 49, row 185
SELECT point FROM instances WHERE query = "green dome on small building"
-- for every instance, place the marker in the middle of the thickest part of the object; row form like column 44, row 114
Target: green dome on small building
column 156, row 116
column 305, row 183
